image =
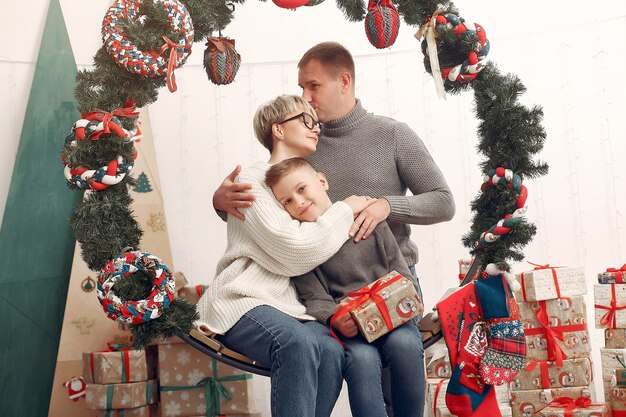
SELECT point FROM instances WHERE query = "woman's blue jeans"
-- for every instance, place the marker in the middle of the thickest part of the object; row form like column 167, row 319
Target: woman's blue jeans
column 306, row 362
column 401, row 350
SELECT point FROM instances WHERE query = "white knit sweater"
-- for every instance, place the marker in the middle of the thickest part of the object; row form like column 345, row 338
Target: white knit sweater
column 264, row 251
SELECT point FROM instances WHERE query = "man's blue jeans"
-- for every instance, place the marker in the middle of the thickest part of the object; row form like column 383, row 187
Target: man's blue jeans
column 401, row 350
column 306, row 362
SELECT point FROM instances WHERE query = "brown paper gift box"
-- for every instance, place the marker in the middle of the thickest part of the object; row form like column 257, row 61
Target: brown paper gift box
column 605, row 315
column 400, row 301
column 115, row 396
column 180, row 365
column 119, row 366
column 505, row 411
column 192, row 294
column 594, row 410
column 525, row 403
column 611, row 359
column 564, row 314
column 615, row 338
column 151, row 410
column 539, row 284
column 438, row 361
column 575, row 372
column 617, row 399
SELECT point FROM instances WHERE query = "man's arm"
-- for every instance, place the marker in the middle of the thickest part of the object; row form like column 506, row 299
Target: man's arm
column 231, row 195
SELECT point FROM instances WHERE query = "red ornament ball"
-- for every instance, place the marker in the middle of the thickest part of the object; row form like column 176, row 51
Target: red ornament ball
column 290, row 4
column 221, row 60
column 382, row 23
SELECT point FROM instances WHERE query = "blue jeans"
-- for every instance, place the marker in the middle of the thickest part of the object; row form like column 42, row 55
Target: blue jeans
column 401, row 350
column 306, row 362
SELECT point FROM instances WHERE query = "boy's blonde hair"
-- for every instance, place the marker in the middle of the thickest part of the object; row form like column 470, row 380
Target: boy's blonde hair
column 275, row 111
column 280, row 170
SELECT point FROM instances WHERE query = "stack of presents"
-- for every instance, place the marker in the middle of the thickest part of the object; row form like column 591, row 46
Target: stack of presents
column 557, row 377
column 166, row 379
column 610, row 315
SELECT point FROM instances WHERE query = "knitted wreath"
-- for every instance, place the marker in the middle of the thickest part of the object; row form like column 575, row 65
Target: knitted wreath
column 148, row 64
column 475, row 61
column 91, row 127
column 135, row 311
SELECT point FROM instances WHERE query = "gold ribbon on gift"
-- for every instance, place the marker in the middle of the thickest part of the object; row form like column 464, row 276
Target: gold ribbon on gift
column 214, row 390
column 429, row 32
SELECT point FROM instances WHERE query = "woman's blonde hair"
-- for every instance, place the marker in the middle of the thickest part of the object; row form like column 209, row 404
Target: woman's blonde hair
column 275, row 111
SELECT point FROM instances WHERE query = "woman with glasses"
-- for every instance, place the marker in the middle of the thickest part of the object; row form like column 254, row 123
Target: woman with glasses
column 251, row 302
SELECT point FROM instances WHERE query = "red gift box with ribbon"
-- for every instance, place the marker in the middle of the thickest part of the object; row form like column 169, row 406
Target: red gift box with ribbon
column 546, row 283
column 610, row 306
column 579, row 407
column 555, row 329
column 380, row 307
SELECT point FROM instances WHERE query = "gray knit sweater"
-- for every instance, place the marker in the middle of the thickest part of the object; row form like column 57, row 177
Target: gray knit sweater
column 365, row 154
column 353, row 267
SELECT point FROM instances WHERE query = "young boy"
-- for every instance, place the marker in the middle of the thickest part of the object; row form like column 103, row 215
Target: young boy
column 302, row 192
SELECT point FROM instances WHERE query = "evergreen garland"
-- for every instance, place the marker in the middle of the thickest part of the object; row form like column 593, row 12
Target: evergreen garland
column 509, row 135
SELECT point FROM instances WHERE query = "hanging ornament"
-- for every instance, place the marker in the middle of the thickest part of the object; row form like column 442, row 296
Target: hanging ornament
column 76, row 387
column 292, row 4
column 381, row 23
column 221, row 60
column 147, row 63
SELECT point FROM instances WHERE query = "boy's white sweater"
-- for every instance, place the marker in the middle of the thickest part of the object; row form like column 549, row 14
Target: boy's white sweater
column 264, row 251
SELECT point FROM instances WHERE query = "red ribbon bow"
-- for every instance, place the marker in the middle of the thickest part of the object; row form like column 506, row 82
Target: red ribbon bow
column 618, row 274
column 569, row 404
column 552, row 334
column 171, row 63
column 609, row 317
column 363, row 295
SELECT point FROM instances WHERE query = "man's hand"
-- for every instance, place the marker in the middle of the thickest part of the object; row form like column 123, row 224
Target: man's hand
column 346, row 325
column 231, row 195
column 366, row 222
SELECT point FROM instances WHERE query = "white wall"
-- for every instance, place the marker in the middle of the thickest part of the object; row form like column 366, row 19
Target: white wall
column 571, row 59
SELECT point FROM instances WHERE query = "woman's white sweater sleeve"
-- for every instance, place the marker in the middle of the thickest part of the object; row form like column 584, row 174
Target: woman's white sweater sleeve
column 290, row 247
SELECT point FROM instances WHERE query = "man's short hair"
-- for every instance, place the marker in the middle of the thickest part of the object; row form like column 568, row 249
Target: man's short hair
column 275, row 111
column 280, row 170
column 332, row 55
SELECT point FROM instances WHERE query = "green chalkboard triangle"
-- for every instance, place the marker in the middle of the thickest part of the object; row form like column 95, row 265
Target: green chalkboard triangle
column 36, row 243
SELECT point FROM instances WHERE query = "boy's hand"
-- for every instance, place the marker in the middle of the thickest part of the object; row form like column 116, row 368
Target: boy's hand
column 232, row 195
column 369, row 218
column 358, row 203
column 346, row 325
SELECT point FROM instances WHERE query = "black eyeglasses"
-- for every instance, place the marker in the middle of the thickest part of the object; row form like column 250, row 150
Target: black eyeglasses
column 307, row 119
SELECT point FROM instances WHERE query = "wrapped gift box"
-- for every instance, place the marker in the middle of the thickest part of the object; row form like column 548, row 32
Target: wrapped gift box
column 617, row 399
column 438, row 361
column 610, row 360
column 192, row 294
column 546, row 374
column 607, row 316
column 541, row 284
column 120, row 366
column 116, row 396
column 593, row 410
column 151, row 410
column 397, row 300
column 613, row 276
column 182, row 368
column 505, row 411
column 525, row 403
column 615, row 338
column 562, row 314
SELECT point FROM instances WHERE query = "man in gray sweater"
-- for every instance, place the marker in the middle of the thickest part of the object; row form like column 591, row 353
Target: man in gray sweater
column 362, row 153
